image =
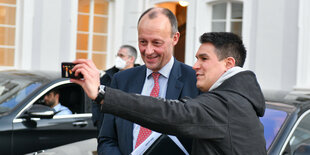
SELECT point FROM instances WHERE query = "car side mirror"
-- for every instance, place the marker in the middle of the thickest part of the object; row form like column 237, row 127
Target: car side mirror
column 303, row 149
column 40, row 111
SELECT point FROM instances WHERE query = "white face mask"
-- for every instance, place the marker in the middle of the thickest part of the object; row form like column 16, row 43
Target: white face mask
column 120, row 63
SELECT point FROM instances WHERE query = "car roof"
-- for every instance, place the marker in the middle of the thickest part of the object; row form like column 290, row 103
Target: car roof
column 31, row 75
column 287, row 100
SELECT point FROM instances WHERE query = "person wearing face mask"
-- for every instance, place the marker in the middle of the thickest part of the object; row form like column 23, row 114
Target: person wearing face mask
column 125, row 59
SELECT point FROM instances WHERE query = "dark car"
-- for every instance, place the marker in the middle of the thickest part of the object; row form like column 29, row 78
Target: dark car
column 287, row 123
column 27, row 125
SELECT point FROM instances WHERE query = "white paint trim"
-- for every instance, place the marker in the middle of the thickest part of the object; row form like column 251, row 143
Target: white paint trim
column 115, row 30
column 9, row 5
column 228, row 16
column 91, row 28
column 246, row 29
column 192, row 41
column 7, row 46
column 17, row 27
column 73, row 22
column 110, row 33
column 9, row 26
column 24, row 34
column 153, row 2
column 303, row 63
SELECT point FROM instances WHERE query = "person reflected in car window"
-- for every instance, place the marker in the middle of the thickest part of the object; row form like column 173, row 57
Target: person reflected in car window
column 51, row 99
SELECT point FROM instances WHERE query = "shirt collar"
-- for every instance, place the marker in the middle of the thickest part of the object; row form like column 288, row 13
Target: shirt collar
column 57, row 107
column 165, row 71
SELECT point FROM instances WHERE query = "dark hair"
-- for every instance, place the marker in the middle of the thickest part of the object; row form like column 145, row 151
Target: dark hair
column 54, row 91
column 227, row 45
column 154, row 12
column 132, row 51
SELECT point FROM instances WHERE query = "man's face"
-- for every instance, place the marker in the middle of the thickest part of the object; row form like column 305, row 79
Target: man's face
column 124, row 54
column 50, row 99
column 208, row 67
column 155, row 41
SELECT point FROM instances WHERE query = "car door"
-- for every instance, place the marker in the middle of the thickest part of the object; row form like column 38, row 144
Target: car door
column 298, row 142
column 36, row 133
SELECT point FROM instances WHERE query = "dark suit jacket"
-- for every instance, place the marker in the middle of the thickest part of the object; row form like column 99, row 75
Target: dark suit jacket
column 116, row 134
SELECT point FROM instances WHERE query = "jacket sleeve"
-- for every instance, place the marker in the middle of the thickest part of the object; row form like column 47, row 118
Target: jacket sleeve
column 190, row 118
column 107, row 139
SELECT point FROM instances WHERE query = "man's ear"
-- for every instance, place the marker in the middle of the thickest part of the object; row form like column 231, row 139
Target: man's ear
column 56, row 95
column 176, row 37
column 230, row 62
column 132, row 59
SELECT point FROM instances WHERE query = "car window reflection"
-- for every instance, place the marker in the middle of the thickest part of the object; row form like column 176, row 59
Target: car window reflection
column 16, row 98
column 272, row 121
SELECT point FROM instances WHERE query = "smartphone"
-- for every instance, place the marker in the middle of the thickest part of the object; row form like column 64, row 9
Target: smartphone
column 66, row 71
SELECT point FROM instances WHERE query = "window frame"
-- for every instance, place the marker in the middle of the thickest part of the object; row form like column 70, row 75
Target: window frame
column 90, row 33
column 17, row 32
column 248, row 23
column 228, row 19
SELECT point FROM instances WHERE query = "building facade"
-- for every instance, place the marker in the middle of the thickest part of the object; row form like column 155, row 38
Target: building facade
column 40, row 34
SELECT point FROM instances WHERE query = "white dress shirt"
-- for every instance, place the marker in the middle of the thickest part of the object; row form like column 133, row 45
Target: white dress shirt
column 148, row 86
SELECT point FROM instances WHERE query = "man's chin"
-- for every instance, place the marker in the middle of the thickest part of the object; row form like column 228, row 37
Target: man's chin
column 152, row 66
column 201, row 88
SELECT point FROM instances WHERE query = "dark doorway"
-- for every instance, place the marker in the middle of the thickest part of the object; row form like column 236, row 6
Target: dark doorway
column 180, row 12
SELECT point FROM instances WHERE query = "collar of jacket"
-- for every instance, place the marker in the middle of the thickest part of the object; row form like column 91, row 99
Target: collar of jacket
column 231, row 72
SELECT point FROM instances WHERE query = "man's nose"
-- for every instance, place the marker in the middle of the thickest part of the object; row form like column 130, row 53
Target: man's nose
column 149, row 49
column 196, row 66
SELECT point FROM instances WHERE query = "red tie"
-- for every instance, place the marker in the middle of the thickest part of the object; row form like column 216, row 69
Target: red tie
column 144, row 132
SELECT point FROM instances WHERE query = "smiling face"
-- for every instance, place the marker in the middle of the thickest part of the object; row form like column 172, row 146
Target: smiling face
column 155, row 41
column 208, row 67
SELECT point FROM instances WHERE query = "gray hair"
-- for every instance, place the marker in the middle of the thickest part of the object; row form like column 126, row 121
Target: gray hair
column 131, row 51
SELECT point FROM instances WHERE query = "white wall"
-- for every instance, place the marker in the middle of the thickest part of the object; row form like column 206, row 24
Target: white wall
column 303, row 68
column 53, row 34
column 273, row 47
column 123, row 27
column 23, row 34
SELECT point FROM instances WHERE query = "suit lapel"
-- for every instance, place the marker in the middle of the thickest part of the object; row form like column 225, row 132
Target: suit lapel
column 136, row 86
column 175, row 85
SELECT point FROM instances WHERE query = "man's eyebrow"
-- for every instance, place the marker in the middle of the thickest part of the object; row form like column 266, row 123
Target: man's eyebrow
column 202, row 55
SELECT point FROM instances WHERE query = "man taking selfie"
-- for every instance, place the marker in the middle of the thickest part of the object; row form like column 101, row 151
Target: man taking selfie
column 222, row 120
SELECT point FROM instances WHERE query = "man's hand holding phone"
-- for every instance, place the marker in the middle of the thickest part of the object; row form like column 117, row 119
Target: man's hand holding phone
column 66, row 71
column 91, row 77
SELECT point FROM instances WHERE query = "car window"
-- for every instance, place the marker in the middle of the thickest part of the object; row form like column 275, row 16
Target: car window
column 300, row 140
column 15, row 98
column 71, row 97
column 272, row 121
